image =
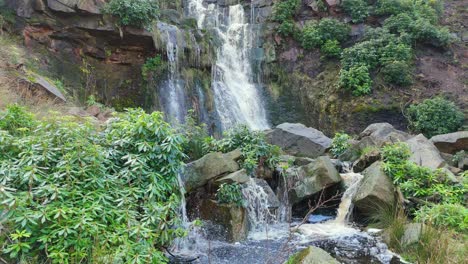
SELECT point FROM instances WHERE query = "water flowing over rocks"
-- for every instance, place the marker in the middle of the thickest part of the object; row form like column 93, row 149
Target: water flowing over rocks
column 299, row 140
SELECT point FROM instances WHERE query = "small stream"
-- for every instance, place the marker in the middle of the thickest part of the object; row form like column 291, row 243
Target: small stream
column 276, row 241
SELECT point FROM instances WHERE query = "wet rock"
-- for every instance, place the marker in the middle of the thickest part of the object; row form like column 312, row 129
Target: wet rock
column 299, row 140
column 273, row 201
column 238, row 176
column 226, row 222
column 312, row 255
column 376, row 190
column 312, row 178
column 212, row 165
column 301, row 161
column 451, row 143
column 424, row 153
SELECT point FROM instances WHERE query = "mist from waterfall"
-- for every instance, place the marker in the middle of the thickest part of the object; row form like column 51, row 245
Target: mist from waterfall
column 236, row 95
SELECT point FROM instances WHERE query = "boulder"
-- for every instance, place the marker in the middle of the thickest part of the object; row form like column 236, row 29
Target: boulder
column 226, row 222
column 312, row 255
column 240, row 176
column 380, row 133
column 451, row 143
column 212, row 165
column 424, row 153
column 71, row 6
column 376, row 190
column 412, row 233
column 310, row 179
column 366, row 160
column 299, row 140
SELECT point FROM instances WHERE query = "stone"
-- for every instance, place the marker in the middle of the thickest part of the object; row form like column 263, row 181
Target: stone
column 312, row 255
column 72, row 6
column 380, row 133
column 226, row 222
column 312, row 178
column 451, row 143
column 93, row 110
column 212, row 165
column 272, row 200
column 376, row 190
column 299, row 140
column 66, row 6
column 47, row 85
column 424, row 153
column 240, row 176
column 412, row 233
column 366, row 160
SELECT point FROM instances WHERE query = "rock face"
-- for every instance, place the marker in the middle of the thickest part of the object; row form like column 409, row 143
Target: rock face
column 299, row 140
column 424, row 153
column 226, row 222
column 376, row 190
column 240, row 176
column 451, row 143
column 212, row 165
column 312, row 255
column 312, row 178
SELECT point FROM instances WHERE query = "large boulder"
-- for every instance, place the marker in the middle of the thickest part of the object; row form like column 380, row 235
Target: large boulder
column 451, row 143
column 381, row 133
column 212, row 165
column 240, row 176
column 310, row 179
column 226, row 222
column 424, row 153
column 72, row 6
column 312, row 255
column 299, row 140
column 376, row 190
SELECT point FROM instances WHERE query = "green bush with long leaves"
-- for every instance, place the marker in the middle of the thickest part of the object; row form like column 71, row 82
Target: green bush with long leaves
column 340, row 144
column 71, row 192
column 283, row 13
column 138, row 13
column 315, row 34
column 357, row 9
column 255, row 149
column 453, row 216
column 357, row 80
column 230, row 193
column 435, row 116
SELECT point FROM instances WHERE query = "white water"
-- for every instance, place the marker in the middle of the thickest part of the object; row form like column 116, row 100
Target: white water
column 258, row 208
column 172, row 90
column 237, row 98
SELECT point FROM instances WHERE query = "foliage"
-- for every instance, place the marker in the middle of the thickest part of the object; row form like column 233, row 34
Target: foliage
column 435, row 116
column 287, row 28
column 340, row 144
column 255, row 150
column 283, row 13
column 16, row 120
column 230, row 194
column 453, row 216
column 72, row 193
column 138, row 13
column 356, row 79
column 357, row 9
column 315, row 34
column 196, row 135
column 152, row 65
column 417, row 181
column 331, row 48
column 459, row 156
column 364, row 53
column 397, row 72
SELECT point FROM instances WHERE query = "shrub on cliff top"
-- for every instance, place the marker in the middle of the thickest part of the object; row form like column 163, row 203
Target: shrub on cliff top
column 138, row 13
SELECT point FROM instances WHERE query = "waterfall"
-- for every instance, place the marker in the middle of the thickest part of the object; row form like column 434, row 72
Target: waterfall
column 173, row 101
column 351, row 181
column 236, row 95
column 258, row 208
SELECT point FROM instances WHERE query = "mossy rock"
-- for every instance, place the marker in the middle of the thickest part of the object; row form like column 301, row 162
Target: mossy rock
column 312, row 255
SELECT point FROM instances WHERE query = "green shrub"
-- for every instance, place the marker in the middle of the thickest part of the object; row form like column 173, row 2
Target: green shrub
column 153, row 65
column 196, row 135
column 230, row 194
column 16, row 120
column 331, row 48
column 255, row 150
column 453, row 216
column 340, row 144
column 284, row 10
column 331, row 29
column 138, row 13
column 356, row 79
column 399, row 23
column 397, row 72
column 357, row 9
column 435, row 116
column 311, row 37
column 73, row 193
column 362, row 54
column 287, row 28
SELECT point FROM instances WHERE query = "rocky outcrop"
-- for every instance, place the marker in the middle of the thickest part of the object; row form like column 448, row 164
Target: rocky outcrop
column 212, row 165
column 312, row 255
column 240, row 176
column 226, row 222
column 310, row 179
column 375, row 192
column 451, row 143
column 299, row 140
column 424, row 153
column 73, row 6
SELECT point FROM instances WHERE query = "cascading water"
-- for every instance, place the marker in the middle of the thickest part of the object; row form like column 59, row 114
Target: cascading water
column 258, row 207
column 173, row 101
column 237, row 96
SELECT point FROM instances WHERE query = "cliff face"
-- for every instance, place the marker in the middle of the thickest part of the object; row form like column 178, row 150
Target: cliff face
column 90, row 53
